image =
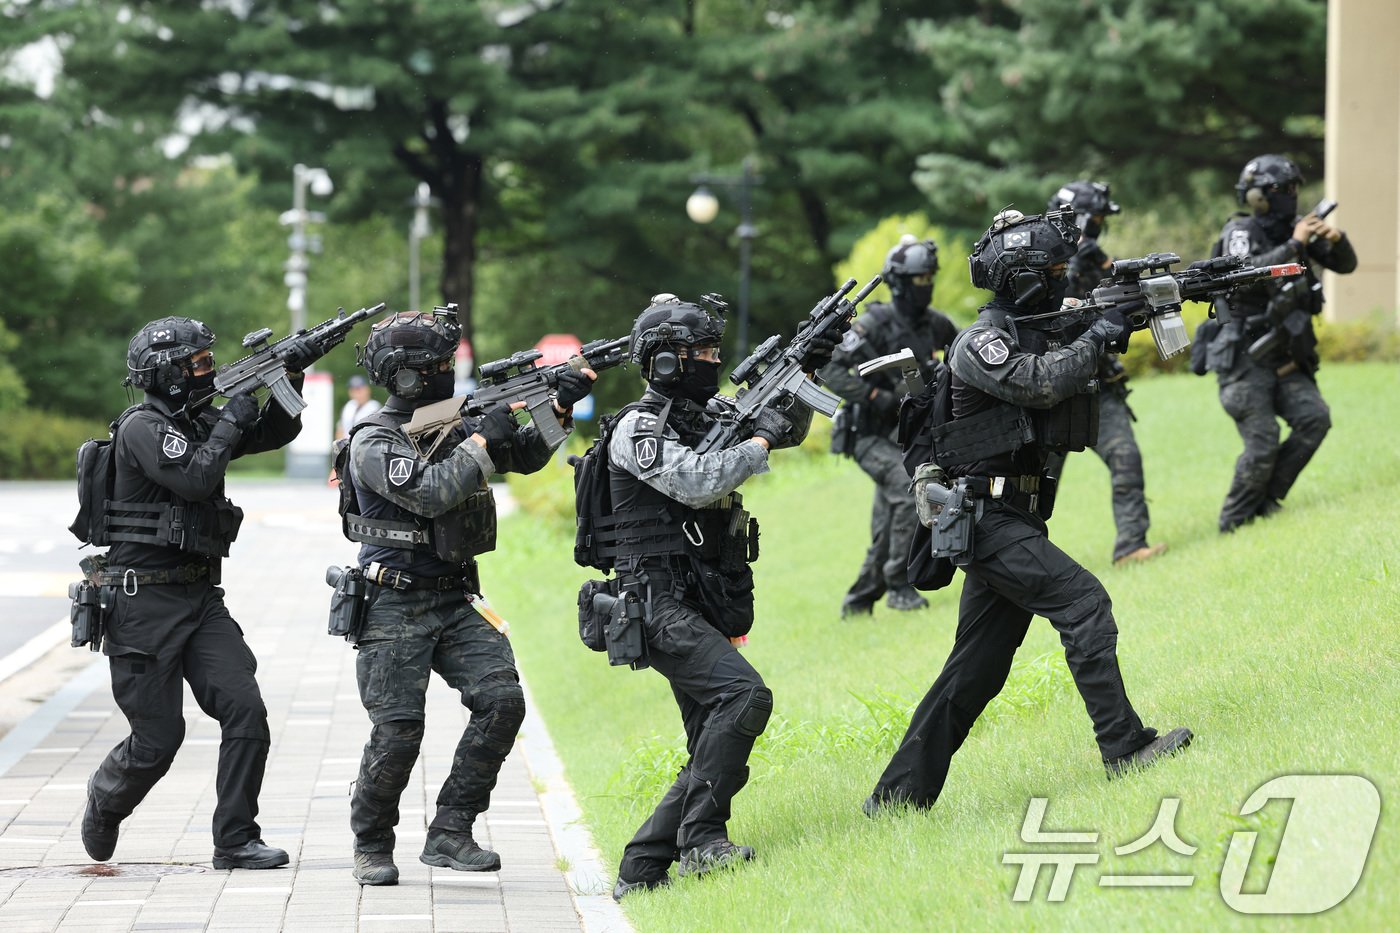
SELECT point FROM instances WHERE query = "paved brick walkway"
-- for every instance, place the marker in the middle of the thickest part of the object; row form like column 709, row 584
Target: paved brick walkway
column 549, row 881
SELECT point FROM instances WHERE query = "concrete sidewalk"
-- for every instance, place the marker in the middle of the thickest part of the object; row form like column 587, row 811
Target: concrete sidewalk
column 161, row 877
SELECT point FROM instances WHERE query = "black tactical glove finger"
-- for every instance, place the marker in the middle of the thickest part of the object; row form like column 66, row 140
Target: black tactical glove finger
column 773, row 426
column 241, row 411
column 1110, row 330
column 573, row 387
column 301, row 352
column 818, row 354
column 885, row 403
column 498, row 427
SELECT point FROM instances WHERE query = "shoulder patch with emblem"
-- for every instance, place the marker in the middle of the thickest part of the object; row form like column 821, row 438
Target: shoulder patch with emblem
column 401, row 470
column 991, row 347
column 647, row 449
column 1238, row 244
column 174, row 446
column 850, row 340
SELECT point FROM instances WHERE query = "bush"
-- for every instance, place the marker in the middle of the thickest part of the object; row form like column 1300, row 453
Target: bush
column 41, row 445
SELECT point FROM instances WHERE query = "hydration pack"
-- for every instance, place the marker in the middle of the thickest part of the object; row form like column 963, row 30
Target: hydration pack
column 593, row 497
column 97, row 476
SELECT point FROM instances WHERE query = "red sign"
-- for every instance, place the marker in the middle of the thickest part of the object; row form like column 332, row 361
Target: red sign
column 557, row 348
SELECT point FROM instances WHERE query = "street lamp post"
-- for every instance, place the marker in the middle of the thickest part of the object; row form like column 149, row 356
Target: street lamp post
column 417, row 232
column 308, row 455
column 319, row 181
column 702, row 207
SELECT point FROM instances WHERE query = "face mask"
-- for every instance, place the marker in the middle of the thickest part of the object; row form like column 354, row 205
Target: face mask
column 437, row 386
column 912, row 300
column 700, row 381
column 1093, row 229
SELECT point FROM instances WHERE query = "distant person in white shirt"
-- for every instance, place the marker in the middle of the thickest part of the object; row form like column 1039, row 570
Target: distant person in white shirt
column 360, row 406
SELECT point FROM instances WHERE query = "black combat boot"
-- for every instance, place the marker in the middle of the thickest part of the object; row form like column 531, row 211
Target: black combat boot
column 905, row 598
column 853, row 607
column 457, row 851
column 624, row 887
column 99, row 830
column 712, row 855
column 376, row 868
column 252, row 854
column 1160, row 747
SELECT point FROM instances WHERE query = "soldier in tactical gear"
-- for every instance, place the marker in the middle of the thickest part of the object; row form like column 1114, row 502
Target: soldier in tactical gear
column 870, row 416
column 1265, row 358
column 1117, row 447
column 169, row 525
column 1019, row 391
column 683, row 538
column 421, row 523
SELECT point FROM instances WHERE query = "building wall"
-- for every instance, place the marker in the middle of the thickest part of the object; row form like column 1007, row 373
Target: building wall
column 1363, row 154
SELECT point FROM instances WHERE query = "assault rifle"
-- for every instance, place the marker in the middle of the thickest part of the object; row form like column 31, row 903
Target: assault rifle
column 267, row 365
column 1149, row 295
column 774, row 375
column 517, row 378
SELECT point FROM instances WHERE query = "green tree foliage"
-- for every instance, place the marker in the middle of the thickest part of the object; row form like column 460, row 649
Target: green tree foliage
column 1161, row 99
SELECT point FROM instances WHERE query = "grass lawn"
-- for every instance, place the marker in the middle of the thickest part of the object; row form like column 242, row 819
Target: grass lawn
column 1279, row 645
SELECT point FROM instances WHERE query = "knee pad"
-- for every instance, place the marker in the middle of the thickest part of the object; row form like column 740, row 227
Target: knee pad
column 391, row 753
column 752, row 717
column 500, row 702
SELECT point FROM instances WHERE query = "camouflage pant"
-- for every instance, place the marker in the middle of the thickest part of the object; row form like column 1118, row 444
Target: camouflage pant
column 1266, row 470
column 1118, row 449
column 893, row 519
column 406, row 635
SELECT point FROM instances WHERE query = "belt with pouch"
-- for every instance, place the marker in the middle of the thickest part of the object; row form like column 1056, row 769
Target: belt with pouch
column 130, row 579
column 1021, row 491
column 380, row 575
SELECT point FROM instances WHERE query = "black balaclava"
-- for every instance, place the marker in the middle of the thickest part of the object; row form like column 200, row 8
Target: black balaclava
column 201, row 385
column 699, row 381
column 437, row 386
column 912, row 300
column 1093, row 229
column 1283, row 211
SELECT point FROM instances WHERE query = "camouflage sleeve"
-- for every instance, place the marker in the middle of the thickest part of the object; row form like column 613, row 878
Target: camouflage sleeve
column 529, row 451
column 381, row 459
column 676, row 471
column 987, row 359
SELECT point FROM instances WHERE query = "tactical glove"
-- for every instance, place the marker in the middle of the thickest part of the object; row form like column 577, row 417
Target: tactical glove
column 818, row 354
column 773, row 426
column 1110, row 331
column 241, row 411
column 573, row 387
column 498, row 427
column 300, row 353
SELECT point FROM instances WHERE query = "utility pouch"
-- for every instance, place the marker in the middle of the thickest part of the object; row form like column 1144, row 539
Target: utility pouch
column 592, row 618
column 86, row 615
column 738, row 547
column 349, row 603
column 951, row 532
column 928, row 509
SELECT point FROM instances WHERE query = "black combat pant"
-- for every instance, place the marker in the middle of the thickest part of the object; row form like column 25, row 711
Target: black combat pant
column 893, row 518
column 164, row 634
column 1118, row 449
column 724, row 708
column 1015, row 573
column 1266, row 470
column 406, row 635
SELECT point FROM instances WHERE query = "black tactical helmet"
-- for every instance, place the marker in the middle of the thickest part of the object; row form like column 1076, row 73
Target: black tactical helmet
column 1266, row 172
column 1087, row 198
column 664, row 327
column 157, row 356
column 1014, row 256
column 402, row 346
column 910, row 257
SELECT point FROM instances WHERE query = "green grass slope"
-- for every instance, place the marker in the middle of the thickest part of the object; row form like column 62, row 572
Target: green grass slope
column 1277, row 645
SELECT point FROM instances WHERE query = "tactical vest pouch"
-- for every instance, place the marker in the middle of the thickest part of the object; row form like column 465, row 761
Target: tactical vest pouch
column 349, row 603
column 94, row 492
column 1200, row 345
column 593, row 619
column 738, row 542
column 844, row 430
column 1003, row 429
column 467, row 530
column 1071, row 425
column 1220, row 354
column 727, row 597
column 209, row 527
